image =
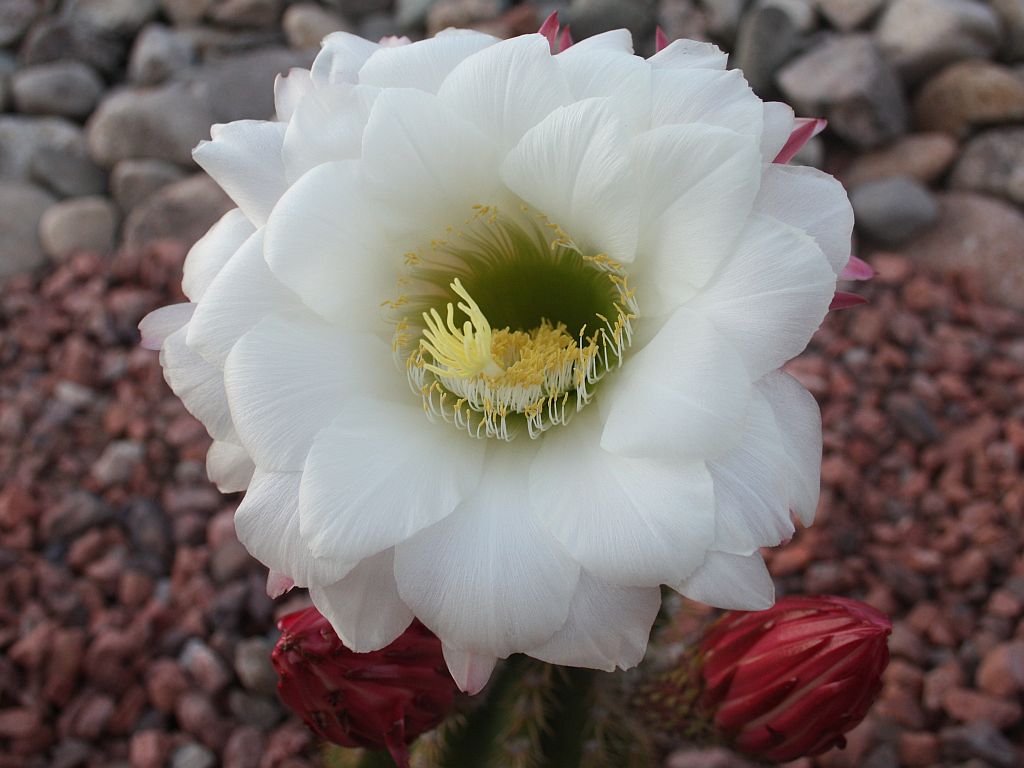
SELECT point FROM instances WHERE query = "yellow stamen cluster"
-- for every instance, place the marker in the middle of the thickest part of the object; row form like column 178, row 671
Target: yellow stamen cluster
column 459, row 353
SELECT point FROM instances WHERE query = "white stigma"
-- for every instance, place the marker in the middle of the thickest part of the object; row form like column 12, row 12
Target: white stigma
column 459, row 353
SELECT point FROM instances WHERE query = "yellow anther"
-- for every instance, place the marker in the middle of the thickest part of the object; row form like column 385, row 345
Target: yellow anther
column 459, row 353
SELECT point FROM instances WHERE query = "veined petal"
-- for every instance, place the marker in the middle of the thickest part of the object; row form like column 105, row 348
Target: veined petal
column 647, row 521
column 813, row 202
column 683, row 397
column 364, row 607
column 469, row 670
column 240, row 296
column 289, row 90
column 244, row 158
column 379, row 474
column 289, row 377
column 698, row 184
column 229, row 466
column 267, row 523
column 690, row 54
column 751, row 494
column 198, row 384
column 211, row 252
column 425, row 166
column 707, row 96
column 613, row 41
column 572, row 168
column 341, row 57
column 423, row 64
column 770, row 296
column 161, row 323
column 799, row 421
column 508, row 88
column 778, row 125
column 489, row 578
column 623, row 78
column 607, row 628
column 735, row 582
column 327, row 125
column 321, row 242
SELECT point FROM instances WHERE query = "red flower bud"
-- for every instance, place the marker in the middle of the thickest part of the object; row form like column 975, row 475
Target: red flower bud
column 383, row 699
column 790, row 681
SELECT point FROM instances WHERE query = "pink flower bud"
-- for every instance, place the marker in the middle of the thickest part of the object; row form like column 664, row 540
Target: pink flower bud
column 382, row 699
column 790, row 681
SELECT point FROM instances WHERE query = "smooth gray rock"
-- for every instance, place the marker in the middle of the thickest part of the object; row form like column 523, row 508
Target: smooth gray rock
column 122, row 17
column 21, row 207
column 306, row 24
column 356, row 10
column 56, row 38
column 253, row 667
column 922, row 36
column 182, row 211
column 132, row 182
column 412, row 13
column 847, row 80
column 15, row 18
column 251, row 14
column 21, row 137
column 848, row 15
column 65, row 88
column 193, row 755
column 185, row 12
column 893, row 211
column 67, row 171
column 7, row 67
column 158, row 54
column 768, row 38
column 993, row 162
column 163, row 123
column 591, row 17
column 78, row 224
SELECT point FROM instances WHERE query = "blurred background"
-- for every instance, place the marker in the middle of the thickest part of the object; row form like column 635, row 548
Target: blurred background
column 134, row 627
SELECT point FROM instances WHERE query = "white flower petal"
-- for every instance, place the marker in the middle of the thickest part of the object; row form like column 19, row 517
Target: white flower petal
column 607, row 628
column 198, row 384
column 778, row 125
column 706, row 96
column 424, row 64
column 364, row 607
column 211, row 252
column 751, row 494
column 632, row 522
column 690, row 54
column 229, row 466
column 735, row 582
column 623, row 78
column 161, row 323
column 488, row 578
column 683, row 397
column 770, row 296
column 698, row 184
column 267, row 523
column 425, row 166
column 799, row 421
column 240, row 296
column 341, row 57
column 613, row 41
column 469, row 670
column 812, row 201
column 244, row 158
column 327, row 125
column 288, row 378
column 321, row 242
column 572, row 167
column 508, row 88
column 289, row 89
column 381, row 472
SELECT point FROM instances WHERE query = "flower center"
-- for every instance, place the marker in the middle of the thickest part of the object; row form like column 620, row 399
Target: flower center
column 515, row 324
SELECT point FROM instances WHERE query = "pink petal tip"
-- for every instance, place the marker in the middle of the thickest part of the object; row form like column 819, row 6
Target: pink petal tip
column 565, row 39
column 278, row 584
column 549, row 29
column 857, row 269
column 660, row 40
column 844, row 300
column 804, row 129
